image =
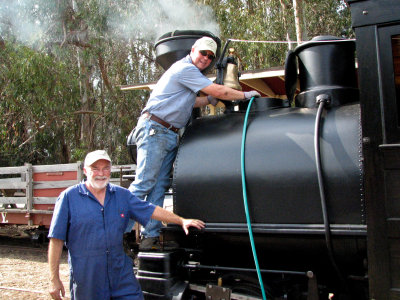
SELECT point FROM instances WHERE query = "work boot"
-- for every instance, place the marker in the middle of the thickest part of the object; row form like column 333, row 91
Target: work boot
column 153, row 244
column 169, row 245
column 150, row 244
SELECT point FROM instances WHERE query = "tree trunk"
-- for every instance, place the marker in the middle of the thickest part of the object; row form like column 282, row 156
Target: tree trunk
column 86, row 119
column 297, row 20
column 284, row 10
column 103, row 71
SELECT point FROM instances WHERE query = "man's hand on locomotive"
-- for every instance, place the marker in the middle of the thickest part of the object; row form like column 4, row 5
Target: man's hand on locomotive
column 247, row 96
column 186, row 223
column 250, row 94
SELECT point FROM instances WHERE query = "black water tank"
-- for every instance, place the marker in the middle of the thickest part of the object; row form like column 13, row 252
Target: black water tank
column 281, row 175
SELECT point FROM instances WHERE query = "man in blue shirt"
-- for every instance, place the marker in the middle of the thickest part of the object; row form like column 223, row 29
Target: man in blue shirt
column 168, row 109
column 90, row 218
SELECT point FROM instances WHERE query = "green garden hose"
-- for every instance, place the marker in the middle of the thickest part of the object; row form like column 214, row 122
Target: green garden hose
column 246, row 207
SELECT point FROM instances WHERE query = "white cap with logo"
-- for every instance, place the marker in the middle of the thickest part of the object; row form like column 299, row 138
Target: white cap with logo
column 94, row 156
column 206, row 43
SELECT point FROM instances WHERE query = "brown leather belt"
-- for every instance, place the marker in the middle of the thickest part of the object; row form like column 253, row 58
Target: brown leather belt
column 160, row 121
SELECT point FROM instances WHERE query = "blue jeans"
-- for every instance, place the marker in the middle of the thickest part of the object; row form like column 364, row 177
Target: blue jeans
column 156, row 151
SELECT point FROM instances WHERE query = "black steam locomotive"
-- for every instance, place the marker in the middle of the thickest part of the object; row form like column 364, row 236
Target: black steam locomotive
column 320, row 215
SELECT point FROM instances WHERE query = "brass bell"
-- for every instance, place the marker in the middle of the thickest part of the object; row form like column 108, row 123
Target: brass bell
column 231, row 72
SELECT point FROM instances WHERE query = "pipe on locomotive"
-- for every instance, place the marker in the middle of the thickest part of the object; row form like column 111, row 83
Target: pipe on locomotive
column 321, row 100
column 308, row 274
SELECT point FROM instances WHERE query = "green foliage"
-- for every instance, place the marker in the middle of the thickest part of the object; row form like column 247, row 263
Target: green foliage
column 38, row 94
column 256, row 20
column 327, row 18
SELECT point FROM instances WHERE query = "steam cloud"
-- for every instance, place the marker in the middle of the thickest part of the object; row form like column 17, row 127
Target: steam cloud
column 154, row 18
column 18, row 19
column 32, row 21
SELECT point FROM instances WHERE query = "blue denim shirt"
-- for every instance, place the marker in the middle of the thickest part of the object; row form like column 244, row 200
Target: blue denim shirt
column 99, row 267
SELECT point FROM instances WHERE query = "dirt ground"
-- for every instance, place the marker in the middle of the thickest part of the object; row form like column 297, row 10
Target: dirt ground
column 24, row 271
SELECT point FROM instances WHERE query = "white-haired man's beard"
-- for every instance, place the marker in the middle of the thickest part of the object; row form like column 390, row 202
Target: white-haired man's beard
column 99, row 182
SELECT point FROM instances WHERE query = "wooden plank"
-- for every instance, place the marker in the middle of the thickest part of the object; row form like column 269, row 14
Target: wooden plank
column 12, row 185
column 44, row 200
column 53, row 184
column 13, row 210
column 118, row 180
column 260, row 85
column 79, row 172
column 60, row 168
column 29, row 190
column 13, row 200
column 12, row 170
column 5, row 180
column 40, row 211
column 56, row 168
column 123, row 168
column 262, row 74
column 25, row 211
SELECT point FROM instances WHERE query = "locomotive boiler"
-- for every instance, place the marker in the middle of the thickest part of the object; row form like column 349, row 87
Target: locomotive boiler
column 309, row 185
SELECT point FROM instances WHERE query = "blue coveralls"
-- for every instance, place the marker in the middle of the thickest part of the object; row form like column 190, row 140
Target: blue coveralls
column 99, row 267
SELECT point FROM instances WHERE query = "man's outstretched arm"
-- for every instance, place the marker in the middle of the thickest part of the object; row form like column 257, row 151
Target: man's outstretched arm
column 166, row 216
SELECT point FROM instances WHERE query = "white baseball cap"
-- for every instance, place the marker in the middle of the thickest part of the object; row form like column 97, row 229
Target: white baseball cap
column 94, row 156
column 206, row 43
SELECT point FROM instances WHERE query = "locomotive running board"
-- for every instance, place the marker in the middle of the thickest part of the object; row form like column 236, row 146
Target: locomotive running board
column 336, row 229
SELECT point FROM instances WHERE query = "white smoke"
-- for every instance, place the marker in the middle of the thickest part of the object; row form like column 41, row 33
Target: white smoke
column 33, row 21
column 153, row 18
column 19, row 19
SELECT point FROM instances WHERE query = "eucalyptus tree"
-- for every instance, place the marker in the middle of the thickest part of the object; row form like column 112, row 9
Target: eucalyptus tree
column 37, row 95
column 274, row 21
column 37, row 91
column 61, row 66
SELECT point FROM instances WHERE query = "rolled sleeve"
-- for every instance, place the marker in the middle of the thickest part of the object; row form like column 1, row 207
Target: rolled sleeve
column 140, row 210
column 59, row 222
column 193, row 79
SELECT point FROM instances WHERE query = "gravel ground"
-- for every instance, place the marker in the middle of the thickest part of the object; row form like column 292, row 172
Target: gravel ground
column 24, row 271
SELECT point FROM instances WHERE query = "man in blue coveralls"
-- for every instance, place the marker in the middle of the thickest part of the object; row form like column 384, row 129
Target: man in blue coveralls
column 90, row 218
